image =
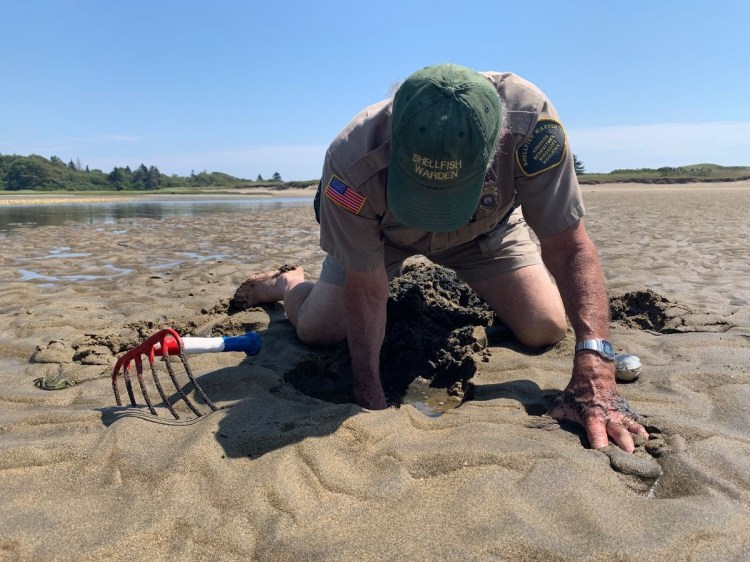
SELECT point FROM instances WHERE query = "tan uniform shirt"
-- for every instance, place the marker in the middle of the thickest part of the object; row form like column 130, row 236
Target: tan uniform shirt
column 533, row 167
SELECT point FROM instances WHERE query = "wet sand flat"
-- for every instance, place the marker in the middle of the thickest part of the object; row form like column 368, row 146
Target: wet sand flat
column 282, row 474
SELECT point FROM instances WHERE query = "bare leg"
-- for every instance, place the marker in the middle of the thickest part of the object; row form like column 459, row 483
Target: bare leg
column 316, row 310
column 528, row 302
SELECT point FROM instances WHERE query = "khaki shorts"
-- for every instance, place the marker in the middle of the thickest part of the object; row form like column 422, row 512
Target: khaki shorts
column 506, row 248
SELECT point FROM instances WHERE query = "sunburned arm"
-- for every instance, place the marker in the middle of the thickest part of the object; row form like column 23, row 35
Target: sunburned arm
column 365, row 300
column 591, row 397
column 572, row 259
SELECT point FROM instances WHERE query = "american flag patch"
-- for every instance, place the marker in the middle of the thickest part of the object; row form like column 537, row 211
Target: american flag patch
column 343, row 195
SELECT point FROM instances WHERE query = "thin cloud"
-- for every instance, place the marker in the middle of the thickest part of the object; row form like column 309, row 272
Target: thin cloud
column 121, row 138
column 603, row 149
column 71, row 141
column 293, row 162
column 68, row 145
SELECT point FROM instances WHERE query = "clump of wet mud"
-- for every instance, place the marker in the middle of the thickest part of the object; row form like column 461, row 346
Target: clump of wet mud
column 434, row 328
column 435, row 335
column 646, row 310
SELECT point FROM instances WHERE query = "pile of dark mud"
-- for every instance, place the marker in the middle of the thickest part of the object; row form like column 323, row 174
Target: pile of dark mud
column 646, row 310
column 434, row 328
column 435, row 332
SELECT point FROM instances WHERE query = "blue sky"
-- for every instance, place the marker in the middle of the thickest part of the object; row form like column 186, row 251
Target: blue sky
column 257, row 87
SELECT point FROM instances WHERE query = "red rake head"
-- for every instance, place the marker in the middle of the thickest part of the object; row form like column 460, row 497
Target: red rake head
column 163, row 343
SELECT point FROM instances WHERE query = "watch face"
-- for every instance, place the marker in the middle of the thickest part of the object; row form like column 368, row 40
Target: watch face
column 602, row 347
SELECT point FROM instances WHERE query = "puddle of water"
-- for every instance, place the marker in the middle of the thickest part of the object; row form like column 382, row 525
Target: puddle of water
column 112, row 271
column 28, row 275
column 431, row 401
column 55, row 254
column 202, row 257
column 167, row 265
column 20, row 216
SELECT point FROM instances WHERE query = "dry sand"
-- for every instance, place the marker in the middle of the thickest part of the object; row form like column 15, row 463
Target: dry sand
column 278, row 474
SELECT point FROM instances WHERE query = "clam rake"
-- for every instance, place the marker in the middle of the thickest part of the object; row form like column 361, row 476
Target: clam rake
column 166, row 343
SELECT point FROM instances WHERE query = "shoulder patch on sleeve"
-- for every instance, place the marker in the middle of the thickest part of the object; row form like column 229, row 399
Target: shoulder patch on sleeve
column 544, row 150
column 344, row 196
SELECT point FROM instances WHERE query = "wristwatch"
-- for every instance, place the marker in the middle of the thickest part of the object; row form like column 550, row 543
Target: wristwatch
column 602, row 347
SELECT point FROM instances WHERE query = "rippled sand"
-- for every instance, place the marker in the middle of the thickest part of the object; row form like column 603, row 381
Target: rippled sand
column 280, row 474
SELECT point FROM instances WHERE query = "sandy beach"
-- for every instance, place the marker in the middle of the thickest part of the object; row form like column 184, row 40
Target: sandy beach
column 288, row 470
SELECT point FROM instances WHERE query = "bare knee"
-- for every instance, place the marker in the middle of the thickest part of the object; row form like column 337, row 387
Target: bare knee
column 542, row 332
column 529, row 303
column 316, row 334
column 318, row 314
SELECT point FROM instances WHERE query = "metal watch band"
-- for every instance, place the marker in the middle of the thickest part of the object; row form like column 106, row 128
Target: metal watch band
column 602, row 347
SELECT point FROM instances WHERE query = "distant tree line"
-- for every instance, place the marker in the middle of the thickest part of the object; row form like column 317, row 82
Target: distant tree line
column 38, row 173
column 698, row 171
column 703, row 173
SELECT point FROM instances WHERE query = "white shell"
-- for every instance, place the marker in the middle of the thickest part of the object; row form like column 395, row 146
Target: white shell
column 627, row 367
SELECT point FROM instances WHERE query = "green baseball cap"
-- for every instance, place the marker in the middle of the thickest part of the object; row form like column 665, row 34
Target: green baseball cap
column 445, row 124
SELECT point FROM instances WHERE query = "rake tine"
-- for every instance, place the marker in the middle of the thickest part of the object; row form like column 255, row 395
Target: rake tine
column 192, row 379
column 114, row 384
column 166, row 343
column 181, row 348
column 163, row 343
column 182, row 394
column 142, row 383
column 129, row 384
column 124, row 364
column 159, row 388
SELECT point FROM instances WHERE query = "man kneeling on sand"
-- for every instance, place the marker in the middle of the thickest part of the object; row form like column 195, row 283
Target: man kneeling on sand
column 457, row 167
